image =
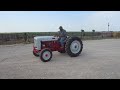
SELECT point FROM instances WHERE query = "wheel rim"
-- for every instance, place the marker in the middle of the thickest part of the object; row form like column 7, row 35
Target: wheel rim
column 46, row 55
column 75, row 47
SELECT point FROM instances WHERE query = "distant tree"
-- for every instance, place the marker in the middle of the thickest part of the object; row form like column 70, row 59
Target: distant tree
column 93, row 33
column 82, row 30
column 25, row 37
column 82, row 33
column 93, row 30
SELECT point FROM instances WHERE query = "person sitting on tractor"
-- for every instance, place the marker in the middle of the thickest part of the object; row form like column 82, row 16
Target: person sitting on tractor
column 62, row 36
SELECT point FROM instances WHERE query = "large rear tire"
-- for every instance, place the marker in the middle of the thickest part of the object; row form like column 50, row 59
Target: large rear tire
column 45, row 55
column 74, row 46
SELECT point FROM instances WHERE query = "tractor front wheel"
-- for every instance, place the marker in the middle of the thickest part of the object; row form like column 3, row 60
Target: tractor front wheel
column 45, row 55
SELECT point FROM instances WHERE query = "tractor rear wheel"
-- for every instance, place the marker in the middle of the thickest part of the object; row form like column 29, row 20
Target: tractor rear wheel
column 45, row 55
column 74, row 46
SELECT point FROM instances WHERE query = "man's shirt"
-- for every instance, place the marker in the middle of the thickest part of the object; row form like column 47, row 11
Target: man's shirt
column 62, row 33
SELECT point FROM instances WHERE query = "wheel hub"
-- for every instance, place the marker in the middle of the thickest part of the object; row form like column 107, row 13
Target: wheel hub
column 46, row 55
column 75, row 46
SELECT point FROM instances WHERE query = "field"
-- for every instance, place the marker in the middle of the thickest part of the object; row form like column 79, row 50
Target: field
column 100, row 59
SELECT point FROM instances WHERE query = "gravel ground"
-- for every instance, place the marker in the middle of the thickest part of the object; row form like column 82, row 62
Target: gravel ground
column 100, row 59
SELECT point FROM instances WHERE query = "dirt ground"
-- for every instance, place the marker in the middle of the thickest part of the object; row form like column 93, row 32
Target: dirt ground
column 100, row 59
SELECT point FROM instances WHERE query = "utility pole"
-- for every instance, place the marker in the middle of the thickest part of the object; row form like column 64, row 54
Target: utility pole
column 108, row 27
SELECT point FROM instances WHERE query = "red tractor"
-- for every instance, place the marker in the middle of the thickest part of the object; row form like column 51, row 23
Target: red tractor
column 44, row 45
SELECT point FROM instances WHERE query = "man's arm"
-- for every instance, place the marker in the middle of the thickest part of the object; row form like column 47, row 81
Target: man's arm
column 65, row 33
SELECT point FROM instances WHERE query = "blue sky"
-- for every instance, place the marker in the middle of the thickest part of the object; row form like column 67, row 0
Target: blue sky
column 49, row 21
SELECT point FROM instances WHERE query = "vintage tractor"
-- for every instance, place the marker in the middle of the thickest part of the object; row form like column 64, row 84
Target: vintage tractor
column 44, row 45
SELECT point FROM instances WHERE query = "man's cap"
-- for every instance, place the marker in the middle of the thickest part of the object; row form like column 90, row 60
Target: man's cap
column 60, row 27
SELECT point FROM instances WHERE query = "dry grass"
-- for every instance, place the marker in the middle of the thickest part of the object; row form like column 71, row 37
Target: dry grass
column 116, row 34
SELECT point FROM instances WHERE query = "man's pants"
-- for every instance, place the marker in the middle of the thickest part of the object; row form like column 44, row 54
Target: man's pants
column 62, row 41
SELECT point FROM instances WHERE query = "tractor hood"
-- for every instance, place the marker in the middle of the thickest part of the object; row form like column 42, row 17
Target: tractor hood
column 46, row 38
column 38, row 39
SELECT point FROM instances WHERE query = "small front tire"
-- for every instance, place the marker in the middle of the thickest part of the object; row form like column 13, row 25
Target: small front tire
column 45, row 55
